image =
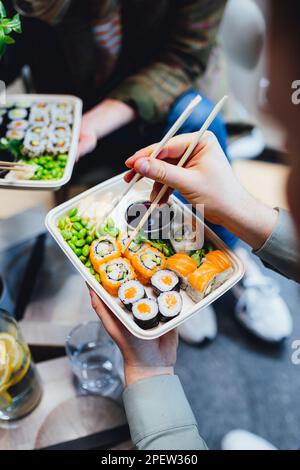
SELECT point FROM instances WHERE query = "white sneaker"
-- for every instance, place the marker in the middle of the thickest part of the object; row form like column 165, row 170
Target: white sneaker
column 202, row 326
column 260, row 308
column 244, row 440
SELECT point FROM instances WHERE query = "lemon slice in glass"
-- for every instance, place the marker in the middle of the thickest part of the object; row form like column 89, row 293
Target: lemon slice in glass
column 13, row 349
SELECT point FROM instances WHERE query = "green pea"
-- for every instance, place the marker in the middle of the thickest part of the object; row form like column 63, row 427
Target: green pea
column 83, row 233
column 97, row 277
column 88, row 264
column 73, row 212
column 92, row 271
column 80, row 243
column 77, row 226
column 83, row 259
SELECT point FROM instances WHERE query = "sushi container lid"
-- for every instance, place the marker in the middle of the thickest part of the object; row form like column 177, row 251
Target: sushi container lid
column 77, row 114
column 115, row 185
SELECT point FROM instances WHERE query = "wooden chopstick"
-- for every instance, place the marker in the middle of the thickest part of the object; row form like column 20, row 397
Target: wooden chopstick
column 195, row 141
column 3, row 163
column 12, row 168
column 176, row 126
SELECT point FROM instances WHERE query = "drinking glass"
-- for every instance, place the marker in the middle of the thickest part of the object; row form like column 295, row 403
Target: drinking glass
column 95, row 359
column 20, row 386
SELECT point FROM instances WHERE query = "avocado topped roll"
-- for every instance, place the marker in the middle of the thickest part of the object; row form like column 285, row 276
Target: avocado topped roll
column 170, row 305
column 133, row 248
column 102, row 250
column 130, row 292
column 147, row 262
column 145, row 313
column 114, row 273
column 164, row 281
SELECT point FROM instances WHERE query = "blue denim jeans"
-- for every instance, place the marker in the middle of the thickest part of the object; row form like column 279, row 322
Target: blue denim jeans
column 192, row 124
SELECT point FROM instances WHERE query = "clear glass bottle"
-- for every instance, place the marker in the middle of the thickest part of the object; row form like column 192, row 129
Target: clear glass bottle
column 20, row 385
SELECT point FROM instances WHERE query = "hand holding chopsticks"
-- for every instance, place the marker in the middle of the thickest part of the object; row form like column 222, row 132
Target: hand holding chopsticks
column 195, row 141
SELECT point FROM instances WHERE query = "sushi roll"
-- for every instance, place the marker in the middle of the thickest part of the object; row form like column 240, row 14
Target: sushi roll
column 147, row 262
column 57, row 146
column 184, row 239
column 213, row 272
column 61, row 108
column 61, row 118
column 38, row 132
column 170, row 305
column 130, row 292
column 15, row 135
column 145, row 313
column 33, row 147
column 114, row 273
column 18, row 125
column 102, row 250
column 39, row 119
column 183, row 265
column 61, row 131
column 40, row 107
column 165, row 281
column 133, row 248
column 17, row 113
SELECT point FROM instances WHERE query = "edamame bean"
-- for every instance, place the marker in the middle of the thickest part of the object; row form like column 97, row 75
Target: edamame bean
column 76, row 218
column 89, row 240
column 97, row 277
column 92, row 271
column 85, row 250
column 71, row 245
column 66, row 235
column 83, row 233
column 88, row 264
column 77, row 226
column 110, row 223
column 73, row 212
column 61, row 224
column 80, row 243
column 84, row 222
column 83, row 259
column 78, row 252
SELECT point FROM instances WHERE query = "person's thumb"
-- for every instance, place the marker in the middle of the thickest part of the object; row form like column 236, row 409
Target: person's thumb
column 162, row 172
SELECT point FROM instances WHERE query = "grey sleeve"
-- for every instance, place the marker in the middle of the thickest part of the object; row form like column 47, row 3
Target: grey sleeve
column 281, row 251
column 160, row 417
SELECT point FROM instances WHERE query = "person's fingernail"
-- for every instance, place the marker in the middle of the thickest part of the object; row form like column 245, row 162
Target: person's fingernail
column 143, row 166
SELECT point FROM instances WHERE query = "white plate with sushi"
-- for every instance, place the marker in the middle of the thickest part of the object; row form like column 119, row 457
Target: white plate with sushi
column 156, row 284
column 41, row 131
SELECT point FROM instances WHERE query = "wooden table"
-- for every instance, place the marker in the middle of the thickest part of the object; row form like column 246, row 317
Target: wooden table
column 62, row 415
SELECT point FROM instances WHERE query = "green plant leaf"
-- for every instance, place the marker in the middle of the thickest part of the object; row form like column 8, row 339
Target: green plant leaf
column 2, row 10
column 9, row 40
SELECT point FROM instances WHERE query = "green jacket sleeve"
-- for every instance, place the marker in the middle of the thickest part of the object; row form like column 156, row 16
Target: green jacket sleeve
column 160, row 417
column 182, row 60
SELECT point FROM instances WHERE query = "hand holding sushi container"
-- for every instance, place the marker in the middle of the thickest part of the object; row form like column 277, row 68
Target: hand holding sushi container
column 41, row 131
column 155, row 285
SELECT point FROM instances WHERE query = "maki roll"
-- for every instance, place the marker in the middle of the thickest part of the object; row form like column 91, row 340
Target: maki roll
column 61, row 131
column 39, row 119
column 170, row 305
column 130, row 292
column 147, row 262
column 183, row 265
column 133, row 248
column 17, row 113
column 61, row 108
column 15, row 135
column 114, row 273
column 184, row 239
column 61, row 118
column 213, row 272
column 102, row 250
column 145, row 313
column 33, row 147
column 58, row 146
column 38, row 132
column 18, row 125
column 165, row 281
column 40, row 107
